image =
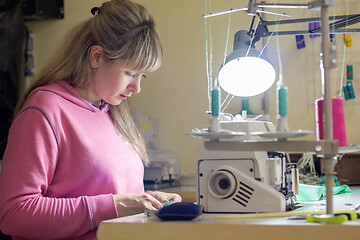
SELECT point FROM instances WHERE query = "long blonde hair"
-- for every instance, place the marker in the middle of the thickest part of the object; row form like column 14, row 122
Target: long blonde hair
column 124, row 30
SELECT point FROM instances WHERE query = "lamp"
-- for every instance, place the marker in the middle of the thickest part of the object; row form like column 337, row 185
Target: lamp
column 245, row 72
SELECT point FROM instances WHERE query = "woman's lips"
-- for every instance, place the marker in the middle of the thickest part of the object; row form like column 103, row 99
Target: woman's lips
column 124, row 96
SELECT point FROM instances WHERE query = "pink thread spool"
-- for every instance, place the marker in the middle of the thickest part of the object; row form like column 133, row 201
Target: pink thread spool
column 339, row 128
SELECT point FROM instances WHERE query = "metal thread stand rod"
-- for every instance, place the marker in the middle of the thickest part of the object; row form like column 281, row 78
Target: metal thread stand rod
column 328, row 161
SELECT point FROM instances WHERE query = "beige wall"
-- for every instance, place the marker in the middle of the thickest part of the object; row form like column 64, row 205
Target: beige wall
column 176, row 94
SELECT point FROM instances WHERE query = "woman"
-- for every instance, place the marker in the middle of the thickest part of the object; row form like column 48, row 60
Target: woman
column 75, row 155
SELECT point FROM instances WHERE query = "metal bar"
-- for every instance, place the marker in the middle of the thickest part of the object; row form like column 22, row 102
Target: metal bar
column 274, row 13
column 231, row 10
column 307, row 32
column 279, row 5
column 340, row 24
column 345, row 22
column 327, row 106
column 321, row 148
column 305, row 20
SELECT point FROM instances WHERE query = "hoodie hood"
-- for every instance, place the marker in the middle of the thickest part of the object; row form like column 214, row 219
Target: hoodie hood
column 67, row 92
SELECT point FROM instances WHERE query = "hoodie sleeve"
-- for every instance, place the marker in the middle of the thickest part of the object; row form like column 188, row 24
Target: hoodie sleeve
column 29, row 164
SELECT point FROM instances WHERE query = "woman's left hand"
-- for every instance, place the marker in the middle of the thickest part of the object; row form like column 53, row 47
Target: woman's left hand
column 165, row 197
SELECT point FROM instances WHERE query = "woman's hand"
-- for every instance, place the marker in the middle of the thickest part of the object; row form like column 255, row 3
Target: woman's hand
column 165, row 197
column 129, row 204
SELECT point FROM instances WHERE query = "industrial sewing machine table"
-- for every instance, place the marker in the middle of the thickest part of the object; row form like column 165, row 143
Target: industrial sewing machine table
column 228, row 226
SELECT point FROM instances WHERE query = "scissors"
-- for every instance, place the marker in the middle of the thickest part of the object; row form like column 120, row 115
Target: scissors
column 336, row 218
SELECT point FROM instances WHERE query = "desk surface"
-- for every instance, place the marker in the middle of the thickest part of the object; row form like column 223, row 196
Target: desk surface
column 238, row 226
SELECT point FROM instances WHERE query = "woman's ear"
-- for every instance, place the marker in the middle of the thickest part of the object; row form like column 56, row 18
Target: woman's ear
column 95, row 56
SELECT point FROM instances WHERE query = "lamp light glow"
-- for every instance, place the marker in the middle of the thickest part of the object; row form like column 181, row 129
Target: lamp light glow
column 246, row 76
column 246, row 72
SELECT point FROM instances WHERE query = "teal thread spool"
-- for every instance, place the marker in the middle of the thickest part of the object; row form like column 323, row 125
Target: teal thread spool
column 346, row 93
column 282, row 101
column 245, row 105
column 349, row 72
column 215, row 102
column 350, row 89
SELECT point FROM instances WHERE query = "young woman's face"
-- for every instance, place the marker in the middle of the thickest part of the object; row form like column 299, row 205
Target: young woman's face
column 112, row 83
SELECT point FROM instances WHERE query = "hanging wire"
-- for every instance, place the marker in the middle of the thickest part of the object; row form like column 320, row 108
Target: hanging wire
column 342, row 71
column 225, row 54
column 316, row 54
column 227, row 96
column 227, row 38
column 338, row 94
column 303, row 80
column 208, row 49
column 302, row 69
column 344, row 53
column 232, row 96
column 280, row 81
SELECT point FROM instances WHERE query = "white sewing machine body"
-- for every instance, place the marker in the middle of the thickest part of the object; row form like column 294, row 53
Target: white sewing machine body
column 239, row 181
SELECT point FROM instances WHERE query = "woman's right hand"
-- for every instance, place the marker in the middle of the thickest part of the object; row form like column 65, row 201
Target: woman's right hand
column 129, row 204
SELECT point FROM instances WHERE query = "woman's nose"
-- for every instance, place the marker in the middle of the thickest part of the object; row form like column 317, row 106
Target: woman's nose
column 134, row 86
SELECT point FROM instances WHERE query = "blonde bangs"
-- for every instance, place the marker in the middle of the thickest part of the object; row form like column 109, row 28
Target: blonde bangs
column 143, row 51
column 145, row 58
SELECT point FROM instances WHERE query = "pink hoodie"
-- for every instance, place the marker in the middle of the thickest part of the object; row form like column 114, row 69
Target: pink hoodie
column 63, row 162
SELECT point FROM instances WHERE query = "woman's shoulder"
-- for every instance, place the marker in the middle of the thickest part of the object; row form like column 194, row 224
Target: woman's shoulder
column 53, row 95
column 57, row 97
column 49, row 94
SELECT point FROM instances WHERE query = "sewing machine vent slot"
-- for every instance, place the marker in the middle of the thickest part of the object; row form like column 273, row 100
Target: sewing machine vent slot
column 244, row 194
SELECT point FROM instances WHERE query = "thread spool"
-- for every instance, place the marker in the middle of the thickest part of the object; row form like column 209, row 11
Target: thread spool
column 332, row 37
column 350, row 89
column 245, row 105
column 215, row 102
column 283, row 101
column 214, row 125
column 347, row 38
column 349, row 94
column 349, row 72
column 313, row 26
column 346, row 93
column 339, row 128
column 300, row 41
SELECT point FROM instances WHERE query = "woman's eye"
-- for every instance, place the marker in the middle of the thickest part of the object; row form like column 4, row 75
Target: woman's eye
column 131, row 74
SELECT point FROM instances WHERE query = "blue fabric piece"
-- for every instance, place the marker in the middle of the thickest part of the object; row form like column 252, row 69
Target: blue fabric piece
column 179, row 211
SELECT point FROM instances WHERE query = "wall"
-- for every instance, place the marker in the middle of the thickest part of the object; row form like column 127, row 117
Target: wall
column 176, row 94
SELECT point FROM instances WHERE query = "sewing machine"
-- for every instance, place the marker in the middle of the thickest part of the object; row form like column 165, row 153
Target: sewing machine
column 163, row 170
column 164, row 166
column 240, row 181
